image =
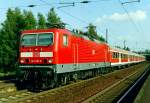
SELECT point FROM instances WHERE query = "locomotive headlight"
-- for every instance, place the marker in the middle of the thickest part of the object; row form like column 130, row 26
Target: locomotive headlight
column 50, row 61
column 22, row 61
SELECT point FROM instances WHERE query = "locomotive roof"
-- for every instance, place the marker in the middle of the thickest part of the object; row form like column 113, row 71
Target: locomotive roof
column 43, row 30
column 86, row 37
column 56, row 29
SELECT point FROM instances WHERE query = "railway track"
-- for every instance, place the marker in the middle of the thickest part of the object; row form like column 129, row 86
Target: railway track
column 83, row 90
column 132, row 92
column 113, row 93
column 86, row 91
column 14, row 96
column 7, row 87
column 10, row 94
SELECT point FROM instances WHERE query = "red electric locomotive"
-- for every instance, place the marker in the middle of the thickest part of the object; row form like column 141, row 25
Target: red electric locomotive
column 55, row 56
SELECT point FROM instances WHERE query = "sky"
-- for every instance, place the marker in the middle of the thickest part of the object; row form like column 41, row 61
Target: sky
column 129, row 22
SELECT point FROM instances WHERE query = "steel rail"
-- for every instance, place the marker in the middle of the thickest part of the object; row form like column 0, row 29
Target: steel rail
column 130, row 94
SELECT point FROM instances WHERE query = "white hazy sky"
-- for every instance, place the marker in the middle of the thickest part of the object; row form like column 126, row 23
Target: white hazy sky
column 132, row 27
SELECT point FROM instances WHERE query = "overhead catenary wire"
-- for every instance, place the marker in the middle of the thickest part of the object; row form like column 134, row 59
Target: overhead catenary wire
column 121, row 3
column 127, row 2
column 77, row 18
column 54, row 3
column 51, row 4
column 83, row 21
column 65, row 12
column 83, row 1
column 26, row 6
column 46, row 3
column 136, row 25
column 130, row 18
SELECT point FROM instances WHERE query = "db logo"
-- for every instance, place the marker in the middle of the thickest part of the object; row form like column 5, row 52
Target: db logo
column 36, row 54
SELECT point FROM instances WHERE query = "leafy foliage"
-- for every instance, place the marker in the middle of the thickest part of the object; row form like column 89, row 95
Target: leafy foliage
column 127, row 48
column 53, row 21
column 41, row 21
column 9, row 36
column 30, row 21
column 10, row 33
column 124, row 48
column 147, row 51
column 91, row 33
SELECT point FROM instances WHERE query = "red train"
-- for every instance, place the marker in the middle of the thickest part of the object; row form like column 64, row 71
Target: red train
column 55, row 56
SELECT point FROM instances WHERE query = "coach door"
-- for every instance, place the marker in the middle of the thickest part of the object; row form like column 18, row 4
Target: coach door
column 120, row 56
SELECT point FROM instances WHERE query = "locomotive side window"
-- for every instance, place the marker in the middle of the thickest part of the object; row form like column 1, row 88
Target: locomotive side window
column 65, row 40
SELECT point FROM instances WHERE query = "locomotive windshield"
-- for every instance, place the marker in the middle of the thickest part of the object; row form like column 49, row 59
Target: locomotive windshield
column 43, row 39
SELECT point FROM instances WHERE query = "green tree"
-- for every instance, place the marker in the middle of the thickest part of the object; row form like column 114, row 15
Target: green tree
column 101, row 38
column 118, row 47
column 8, row 41
column 127, row 48
column 30, row 21
column 147, row 51
column 41, row 21
column 1, row 52
column 92, row 33
column 53, row 21
column 9, row 35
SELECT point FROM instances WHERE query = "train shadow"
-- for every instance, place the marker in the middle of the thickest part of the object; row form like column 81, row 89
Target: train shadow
column 8, row 78
column 11, row 79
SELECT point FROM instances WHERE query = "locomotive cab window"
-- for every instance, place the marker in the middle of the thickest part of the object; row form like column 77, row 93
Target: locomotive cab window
column 28, row 40
column 65, row 40
column 45, row 39
column 41, row 39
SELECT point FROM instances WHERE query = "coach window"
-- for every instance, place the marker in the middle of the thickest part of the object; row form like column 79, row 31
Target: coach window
column 117, row 55
column 65, row 40
column 126, row 56
column 122, row 56
column 114, row 55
